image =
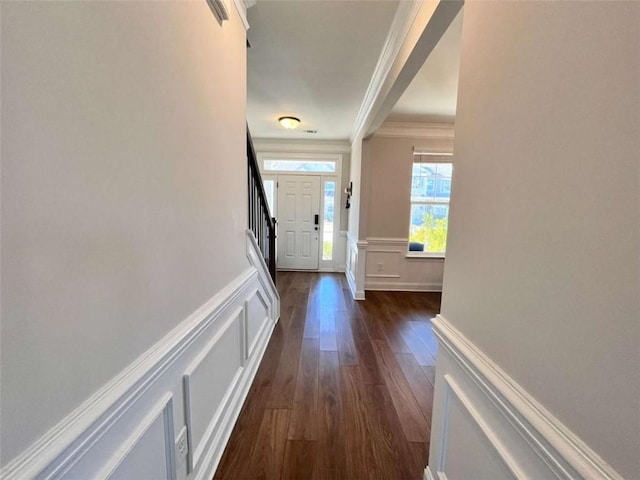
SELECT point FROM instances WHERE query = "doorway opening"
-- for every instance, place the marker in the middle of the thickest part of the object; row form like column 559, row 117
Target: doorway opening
column 301, row 191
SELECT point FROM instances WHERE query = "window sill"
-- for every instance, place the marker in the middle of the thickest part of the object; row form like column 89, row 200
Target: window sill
column 424, row 255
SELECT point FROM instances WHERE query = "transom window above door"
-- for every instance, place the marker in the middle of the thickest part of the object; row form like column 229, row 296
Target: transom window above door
column 300, row 163
column 315, row 166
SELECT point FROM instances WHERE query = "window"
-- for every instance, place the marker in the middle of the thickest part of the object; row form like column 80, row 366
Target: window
column 430, row 193
column 315, row 166
column 327, row 226
column 269, row 190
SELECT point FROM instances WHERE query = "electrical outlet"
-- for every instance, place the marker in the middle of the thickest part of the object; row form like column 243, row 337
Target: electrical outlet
column 379, row 266
column 182, row 445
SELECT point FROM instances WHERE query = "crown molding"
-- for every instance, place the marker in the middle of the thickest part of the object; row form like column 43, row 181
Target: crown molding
column 241, row 8
column 400, row 26
column 416, row 130
column 415, row 30
column 273, row 145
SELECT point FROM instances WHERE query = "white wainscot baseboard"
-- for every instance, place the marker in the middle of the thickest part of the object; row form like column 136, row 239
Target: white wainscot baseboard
column 340, row 252
column 198, row 375
column 355, row 266
column 389, row 268
column 486, row 426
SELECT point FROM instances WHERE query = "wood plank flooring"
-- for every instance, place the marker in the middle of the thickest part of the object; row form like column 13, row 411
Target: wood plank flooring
column 345, row 388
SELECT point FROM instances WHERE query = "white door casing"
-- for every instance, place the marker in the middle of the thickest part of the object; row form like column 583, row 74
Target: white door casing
column 298, row 233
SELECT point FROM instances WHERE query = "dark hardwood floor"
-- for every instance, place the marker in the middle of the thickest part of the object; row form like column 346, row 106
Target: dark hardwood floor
column 345, row 388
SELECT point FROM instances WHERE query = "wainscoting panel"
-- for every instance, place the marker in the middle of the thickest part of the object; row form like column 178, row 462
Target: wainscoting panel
column 257, row 312
column 486, row 426
column 355, row 267
column 198, row 375
column 208, row 382
column 388, row 267
column 383, row 263
column 340, row 252
column 469, row 437
column 149, row 451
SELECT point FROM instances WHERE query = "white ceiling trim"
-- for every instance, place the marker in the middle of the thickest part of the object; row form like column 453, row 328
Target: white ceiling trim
column 241, row 7
column 400, row 26
column 416, row 130
column 415, row 30
column 269, row 145
column 432, row 21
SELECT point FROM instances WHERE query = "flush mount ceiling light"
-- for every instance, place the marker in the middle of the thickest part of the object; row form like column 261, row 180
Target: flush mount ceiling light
column 289, row 122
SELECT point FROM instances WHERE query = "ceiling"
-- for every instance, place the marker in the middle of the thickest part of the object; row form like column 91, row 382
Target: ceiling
column 314, row 59
column 431, row 96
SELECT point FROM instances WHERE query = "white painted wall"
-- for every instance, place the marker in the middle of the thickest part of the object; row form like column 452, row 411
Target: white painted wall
column 390, row 164
column 389, row 266
column 355, row 174
column 356, row 232
column 415, row 30
column 389, row 208
column 543, row 262
column 120, row 122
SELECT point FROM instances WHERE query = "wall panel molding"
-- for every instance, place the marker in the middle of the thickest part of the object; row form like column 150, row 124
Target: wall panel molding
column 388, row 242
column 241, row 8
column 528, row 439
column 224, row 365
column 388, row 285
column 429, row 475
column 93, row 434
column 78, row 432
column 355, row 266
column 388, row 267
column 251, row 343
column 390, row 259
column 455, row 390
column 339, row 254
column 162, row 411
column 256, row 260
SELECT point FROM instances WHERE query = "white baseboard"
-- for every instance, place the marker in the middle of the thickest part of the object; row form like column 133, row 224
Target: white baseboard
column 481, row 412
column 429, row 475
column 264, row 277
column 352, row 286
column 389, row 267
column 355, row 266
column 391, row 286
column 126, row 412
column 232, row 409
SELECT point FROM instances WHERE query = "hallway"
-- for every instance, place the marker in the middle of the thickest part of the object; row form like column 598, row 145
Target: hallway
column 345, row 388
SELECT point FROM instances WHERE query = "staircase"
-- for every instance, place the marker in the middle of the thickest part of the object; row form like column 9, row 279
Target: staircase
column 261, row 223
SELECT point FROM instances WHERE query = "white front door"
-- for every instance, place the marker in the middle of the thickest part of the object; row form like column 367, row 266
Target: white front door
column 298, row 221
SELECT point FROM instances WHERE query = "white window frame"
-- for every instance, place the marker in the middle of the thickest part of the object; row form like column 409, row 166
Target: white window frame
column 318, row 157
column 273, row 178
column 329, row 264
column 434, row 158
